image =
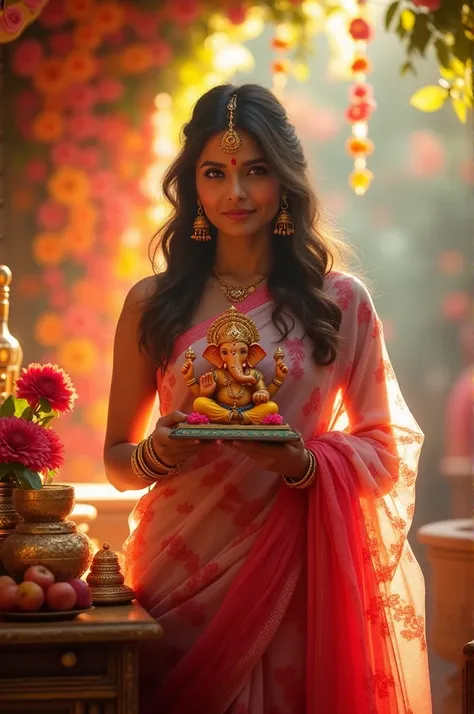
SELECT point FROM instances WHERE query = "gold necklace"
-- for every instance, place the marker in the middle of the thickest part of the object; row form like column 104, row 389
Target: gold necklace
column 236, row 293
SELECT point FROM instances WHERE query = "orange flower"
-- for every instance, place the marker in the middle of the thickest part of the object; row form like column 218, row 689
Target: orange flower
column 78, row 240
column 362, row 65
column 83, row 215
column 78, row 356
column 79, row 66
column 278, row 44
column 133, row 141
column 79, row 9
column 49, row 330
column 96, row 414
column 280, row 67
column 48, row 126
column 69, row 186
column 87, row 37
column 109, row 17
column 49, row 77
column 136, row 58
column 355, row 147
column 48, row 249
column 128, row 169
column 88, row 293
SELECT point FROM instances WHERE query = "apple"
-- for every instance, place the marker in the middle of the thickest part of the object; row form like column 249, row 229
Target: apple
column 61, row 596
column 8, row 597
column 6, row 580
column 83, row 592
column 29, row 597
column 39, row 574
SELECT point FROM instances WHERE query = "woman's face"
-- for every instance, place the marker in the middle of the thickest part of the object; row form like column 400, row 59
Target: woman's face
column 240, row 193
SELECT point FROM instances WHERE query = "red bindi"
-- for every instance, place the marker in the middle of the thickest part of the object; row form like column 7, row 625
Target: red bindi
column 233, row 162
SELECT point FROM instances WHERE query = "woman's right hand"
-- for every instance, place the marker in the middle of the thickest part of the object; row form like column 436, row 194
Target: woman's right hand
column 173, row 451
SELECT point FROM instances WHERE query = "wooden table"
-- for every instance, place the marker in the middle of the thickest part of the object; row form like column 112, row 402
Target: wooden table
column 86, row 666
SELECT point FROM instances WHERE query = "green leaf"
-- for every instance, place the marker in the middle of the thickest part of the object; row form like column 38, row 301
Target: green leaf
column 443, row 54
column 45, row 406
column 407, row 67
column 390, row 14
column 5, row 469
column 421, row 35
column 20, row 406
column 430, row 98
column 45, row 420
column 27, row 414
column 28, row 479
column 460, row 109
column 8, row 407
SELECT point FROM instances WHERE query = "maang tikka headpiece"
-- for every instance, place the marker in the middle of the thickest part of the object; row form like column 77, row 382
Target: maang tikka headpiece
column 231, row 142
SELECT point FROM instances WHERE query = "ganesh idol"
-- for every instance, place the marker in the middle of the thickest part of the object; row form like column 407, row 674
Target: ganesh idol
column 234, row 391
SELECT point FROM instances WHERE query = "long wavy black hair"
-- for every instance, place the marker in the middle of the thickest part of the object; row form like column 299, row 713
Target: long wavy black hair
column 299, row 262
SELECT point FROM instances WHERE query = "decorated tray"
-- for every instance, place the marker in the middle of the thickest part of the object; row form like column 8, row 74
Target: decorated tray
column 235, row 432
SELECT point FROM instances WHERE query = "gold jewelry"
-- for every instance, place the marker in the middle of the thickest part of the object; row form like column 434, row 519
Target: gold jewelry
column 200, row 225
column 277, row 382
column 231, row 142
column 162, row 468
column 191, row 382
column 284, row 224
column 140, row 468
column 308, row 479
column 233, row 326
column 236, row 293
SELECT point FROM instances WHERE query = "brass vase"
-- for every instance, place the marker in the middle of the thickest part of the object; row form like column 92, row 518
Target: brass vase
column 8, row 517
column 44, row 536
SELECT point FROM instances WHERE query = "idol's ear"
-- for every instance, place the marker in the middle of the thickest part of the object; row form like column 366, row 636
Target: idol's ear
column 256, row 354
column 213, row 355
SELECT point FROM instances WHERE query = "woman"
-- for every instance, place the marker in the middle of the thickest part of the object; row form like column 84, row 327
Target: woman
column 273, row 600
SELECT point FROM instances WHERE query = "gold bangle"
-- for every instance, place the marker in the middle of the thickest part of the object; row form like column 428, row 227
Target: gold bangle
column 140, row 469
column 164, row 469
column 191, row 382
column 308, row 479
column 277, row 382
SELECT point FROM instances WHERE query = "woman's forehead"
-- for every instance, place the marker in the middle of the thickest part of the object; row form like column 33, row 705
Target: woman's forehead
column 212, row 150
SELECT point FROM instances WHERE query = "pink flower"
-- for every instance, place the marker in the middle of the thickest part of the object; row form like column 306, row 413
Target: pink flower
column 51, row 216
column 36, row 170
column 88, row 158
column 359, row 112
column 61, row 43
column 53, row 278
column 12, row 19
column 197, row 418
column 430, row 5
column 161, row 53
column 109, row 89
column 54, row 14
column 26, row 57
column 359, row 29
column 103, row 184
column 56, row 450
column 80, row 96
column 183, row 12
column 112, row 129
column 27, row 102
column 274, row 419
column 24, row 442
column 47, row 381
column 65, row 153
column 360, row 93
column 144, row 24
column 81, row 321
column 83, row 126
column 116, row 211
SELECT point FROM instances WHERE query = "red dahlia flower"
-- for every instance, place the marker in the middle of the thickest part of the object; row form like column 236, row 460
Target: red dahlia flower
column 56, row 450
column 47, row 381
column 24, row 442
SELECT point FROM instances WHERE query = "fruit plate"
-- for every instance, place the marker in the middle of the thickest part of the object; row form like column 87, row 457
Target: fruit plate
column 43, row 615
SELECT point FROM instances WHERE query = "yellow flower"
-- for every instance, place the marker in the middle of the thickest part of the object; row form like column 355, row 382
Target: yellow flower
column 96, row 414
column 360, row 180
column 69, row 186
column 48, row 126
column 78, row 356
column 136, row 59
column 49, row 329
column 48, row 249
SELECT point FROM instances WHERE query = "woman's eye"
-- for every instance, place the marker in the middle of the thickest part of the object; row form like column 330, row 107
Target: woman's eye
column 213, row 173
column 258, row 171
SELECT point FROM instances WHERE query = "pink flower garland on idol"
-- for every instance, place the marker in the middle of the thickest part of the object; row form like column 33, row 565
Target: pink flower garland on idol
column 361, row 102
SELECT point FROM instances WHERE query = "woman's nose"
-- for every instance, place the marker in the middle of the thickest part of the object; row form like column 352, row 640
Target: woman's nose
column 237, row 190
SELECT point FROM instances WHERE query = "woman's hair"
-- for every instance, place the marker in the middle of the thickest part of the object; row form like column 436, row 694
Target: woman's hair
column 300, row 262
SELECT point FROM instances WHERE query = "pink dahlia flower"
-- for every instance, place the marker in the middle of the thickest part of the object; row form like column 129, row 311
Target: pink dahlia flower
column 24, row 442
column 56, row 450
column 47, row 381
column 273, row 419
column 196, row 418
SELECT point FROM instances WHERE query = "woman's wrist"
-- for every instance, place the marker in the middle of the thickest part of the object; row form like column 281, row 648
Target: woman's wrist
column 306, row 477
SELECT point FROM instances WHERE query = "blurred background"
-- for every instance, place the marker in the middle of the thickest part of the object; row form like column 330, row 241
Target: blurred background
column 94, row 97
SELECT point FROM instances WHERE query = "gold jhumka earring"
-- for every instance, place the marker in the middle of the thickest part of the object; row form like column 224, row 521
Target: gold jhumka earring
column 231, row 142
column 200, row 225
column 284, row 224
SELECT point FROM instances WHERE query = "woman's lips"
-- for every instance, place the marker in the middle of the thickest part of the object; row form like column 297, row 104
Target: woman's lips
column 238, row 215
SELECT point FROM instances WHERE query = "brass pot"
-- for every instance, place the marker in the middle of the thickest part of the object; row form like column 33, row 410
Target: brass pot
column 45, row 505
column 44, row 537
column 8, row 517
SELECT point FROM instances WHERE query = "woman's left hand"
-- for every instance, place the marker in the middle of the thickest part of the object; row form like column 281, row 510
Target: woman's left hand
column 290, row 459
